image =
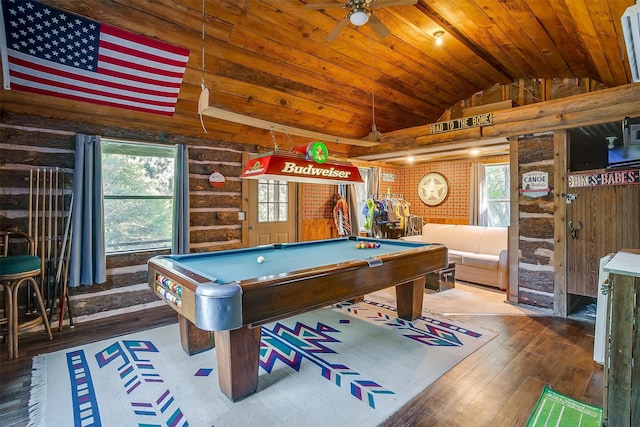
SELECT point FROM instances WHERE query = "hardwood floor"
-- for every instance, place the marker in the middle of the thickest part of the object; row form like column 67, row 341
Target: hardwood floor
column 497, row 385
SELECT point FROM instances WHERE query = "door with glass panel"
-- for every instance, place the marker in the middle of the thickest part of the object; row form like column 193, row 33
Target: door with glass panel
column 271, row 211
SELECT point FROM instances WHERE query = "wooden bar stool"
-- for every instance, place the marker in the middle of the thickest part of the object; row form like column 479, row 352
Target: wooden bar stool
column 16, row 270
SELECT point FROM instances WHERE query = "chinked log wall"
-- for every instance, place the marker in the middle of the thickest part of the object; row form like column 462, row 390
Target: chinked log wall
column 536, row 225
column 30, row 142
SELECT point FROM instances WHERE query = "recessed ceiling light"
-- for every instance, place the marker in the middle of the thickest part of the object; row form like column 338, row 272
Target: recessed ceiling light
column 438, row 36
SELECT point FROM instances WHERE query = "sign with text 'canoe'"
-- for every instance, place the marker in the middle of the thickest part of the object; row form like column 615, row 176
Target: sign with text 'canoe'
column 462, row 123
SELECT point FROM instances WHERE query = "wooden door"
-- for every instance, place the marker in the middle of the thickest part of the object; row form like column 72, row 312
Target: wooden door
column 608, row 217
column 272, row 208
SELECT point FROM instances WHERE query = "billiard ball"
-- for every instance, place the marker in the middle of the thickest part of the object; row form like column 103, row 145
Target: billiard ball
column 260, row 259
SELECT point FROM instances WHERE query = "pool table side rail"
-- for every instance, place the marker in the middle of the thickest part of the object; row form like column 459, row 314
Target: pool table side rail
column 269, row 300
column 273, row 297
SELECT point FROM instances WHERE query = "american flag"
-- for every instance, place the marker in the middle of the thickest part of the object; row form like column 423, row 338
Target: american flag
column 53, row 52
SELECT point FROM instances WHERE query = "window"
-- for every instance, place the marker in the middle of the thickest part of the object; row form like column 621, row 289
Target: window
column 138, row 191
column 497, row 196
column 273, row 200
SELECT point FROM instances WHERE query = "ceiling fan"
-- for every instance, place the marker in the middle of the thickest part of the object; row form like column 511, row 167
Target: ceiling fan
column 360, row 12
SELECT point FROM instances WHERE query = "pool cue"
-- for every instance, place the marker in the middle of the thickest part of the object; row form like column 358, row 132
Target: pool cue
column 55, row 234
column 43, row 263
column 64, row 292
column 30, row 200
column 66, row 287
column 49, row 233
column 35, row 229
column 66, row 246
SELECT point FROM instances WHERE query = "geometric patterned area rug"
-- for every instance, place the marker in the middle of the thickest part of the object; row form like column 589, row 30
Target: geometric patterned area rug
column 348, row 364
column 555, row 409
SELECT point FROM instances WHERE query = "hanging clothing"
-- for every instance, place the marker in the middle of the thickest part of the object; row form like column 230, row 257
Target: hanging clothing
column 368, row 211
column 341, row 217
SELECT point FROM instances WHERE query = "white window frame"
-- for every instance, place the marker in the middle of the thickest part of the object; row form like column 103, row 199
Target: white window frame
column 112, row 146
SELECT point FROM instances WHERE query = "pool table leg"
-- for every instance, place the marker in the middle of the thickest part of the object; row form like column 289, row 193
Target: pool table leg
column 193, row 339
column 238, row 353
column 409, row 298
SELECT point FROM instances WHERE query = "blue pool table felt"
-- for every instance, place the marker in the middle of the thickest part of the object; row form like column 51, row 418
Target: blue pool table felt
column 242, row 264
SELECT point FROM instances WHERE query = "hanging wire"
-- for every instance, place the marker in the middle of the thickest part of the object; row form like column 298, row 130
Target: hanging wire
column 288, row 137
column 373, row 84
column 203, row 35
column 202, row 85
column 273, row 138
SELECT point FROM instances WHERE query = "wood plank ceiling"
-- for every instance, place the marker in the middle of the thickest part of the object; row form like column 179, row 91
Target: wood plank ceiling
column 270, row 60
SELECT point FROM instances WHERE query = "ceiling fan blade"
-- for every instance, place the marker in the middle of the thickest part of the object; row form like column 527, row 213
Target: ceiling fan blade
column 378, row 4
column 336, row 30
column 324, row 6
column 378, row 27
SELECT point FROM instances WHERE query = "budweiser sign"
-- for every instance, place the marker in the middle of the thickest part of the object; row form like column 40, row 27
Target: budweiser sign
column 293, row 167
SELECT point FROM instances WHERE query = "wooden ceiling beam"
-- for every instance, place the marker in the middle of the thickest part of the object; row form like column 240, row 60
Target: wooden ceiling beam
column 598, row 107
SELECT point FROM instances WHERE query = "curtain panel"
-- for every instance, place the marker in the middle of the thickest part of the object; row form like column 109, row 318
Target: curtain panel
column 180, row 239
column 477, row 197
column 87, row 264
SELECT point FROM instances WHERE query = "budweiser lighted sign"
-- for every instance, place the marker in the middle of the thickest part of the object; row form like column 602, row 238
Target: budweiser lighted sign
column 299, row 168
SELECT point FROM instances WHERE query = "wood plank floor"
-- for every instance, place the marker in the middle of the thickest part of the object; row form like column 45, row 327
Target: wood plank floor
column 496, row 386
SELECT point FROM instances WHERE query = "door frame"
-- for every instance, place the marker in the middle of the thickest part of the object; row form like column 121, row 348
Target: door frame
column 245, row 205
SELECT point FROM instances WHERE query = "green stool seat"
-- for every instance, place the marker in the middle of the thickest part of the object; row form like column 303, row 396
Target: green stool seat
column 16, row 264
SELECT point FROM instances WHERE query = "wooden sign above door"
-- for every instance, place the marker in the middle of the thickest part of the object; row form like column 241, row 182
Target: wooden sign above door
column 620, row 177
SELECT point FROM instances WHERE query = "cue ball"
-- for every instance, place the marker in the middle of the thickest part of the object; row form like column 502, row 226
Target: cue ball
column 260, row 259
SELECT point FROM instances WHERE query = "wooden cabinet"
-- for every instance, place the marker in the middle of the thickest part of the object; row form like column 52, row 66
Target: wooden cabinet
column 622, row 360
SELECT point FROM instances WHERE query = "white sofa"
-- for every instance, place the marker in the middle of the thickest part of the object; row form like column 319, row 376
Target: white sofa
column 479, row 253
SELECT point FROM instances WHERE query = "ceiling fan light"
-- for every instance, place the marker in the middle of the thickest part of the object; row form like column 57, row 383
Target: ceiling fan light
column 359, row 17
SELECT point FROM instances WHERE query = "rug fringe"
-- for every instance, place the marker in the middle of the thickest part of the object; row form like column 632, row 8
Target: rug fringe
column 38, row 398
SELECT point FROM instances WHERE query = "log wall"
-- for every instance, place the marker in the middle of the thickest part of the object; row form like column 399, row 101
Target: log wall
column 535, row 224
column 31, row 143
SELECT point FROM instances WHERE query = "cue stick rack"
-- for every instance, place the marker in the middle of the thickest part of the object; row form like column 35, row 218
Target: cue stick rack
column 50, row 226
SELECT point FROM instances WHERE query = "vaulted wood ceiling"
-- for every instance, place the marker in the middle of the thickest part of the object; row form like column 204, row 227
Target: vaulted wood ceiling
column 270, row 60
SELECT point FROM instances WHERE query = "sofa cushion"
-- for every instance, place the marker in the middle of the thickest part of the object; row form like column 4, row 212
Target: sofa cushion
column 465, row 238
column 481, row 261
column 494, row 239
column 437, row 233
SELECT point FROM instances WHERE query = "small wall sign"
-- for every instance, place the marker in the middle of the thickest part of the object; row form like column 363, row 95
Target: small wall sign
column 217, row 180
column 388, row 177
column 598, row 179
column 463, row 123
column 535, row 184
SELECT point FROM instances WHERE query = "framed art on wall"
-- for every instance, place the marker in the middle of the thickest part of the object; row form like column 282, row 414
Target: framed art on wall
column 433, row 189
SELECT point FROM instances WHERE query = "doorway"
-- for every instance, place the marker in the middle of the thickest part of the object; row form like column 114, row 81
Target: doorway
column 271, row 211
column 604, row 220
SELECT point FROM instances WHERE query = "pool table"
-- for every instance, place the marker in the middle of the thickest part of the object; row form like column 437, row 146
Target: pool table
column 223, row 297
